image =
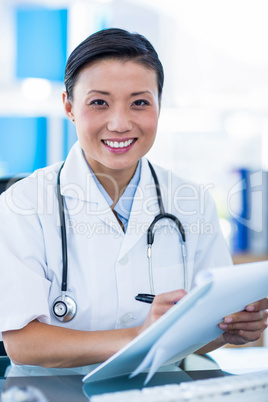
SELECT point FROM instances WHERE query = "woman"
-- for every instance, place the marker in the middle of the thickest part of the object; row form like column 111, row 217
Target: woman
column 114, row 83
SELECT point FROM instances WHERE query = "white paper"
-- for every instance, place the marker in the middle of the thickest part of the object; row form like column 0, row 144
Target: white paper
column 128, row 358
column 232, row 290
column 191, row 323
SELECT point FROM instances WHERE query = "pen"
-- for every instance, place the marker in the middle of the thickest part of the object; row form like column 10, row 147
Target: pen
column 145, row 297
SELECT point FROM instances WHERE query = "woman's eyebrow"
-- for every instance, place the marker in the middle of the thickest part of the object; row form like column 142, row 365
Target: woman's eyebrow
column 141, row 93
column 108, row 93
column 99, row 92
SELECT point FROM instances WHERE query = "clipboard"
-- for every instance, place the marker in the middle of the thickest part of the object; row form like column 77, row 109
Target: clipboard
column 191, row 323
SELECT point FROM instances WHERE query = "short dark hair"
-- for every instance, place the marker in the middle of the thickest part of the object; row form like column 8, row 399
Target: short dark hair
column 112, row 43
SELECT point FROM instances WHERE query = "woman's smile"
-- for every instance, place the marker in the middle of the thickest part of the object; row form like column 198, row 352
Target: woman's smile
column 119, row 145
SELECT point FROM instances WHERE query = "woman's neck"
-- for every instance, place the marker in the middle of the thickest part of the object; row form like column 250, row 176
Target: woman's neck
column 114, row 181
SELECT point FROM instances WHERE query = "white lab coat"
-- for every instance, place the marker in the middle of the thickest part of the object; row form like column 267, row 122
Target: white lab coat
column 106, row 268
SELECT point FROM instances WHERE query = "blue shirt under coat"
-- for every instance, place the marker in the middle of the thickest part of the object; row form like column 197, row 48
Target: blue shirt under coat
column 124, row 204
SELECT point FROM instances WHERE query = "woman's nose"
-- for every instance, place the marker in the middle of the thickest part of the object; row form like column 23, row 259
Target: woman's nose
column 119, row 121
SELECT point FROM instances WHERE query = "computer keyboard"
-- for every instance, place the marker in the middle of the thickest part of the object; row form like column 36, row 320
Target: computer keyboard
column 251, row 387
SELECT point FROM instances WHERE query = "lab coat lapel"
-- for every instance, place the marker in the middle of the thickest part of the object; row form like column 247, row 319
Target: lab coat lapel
column 77, row 182
column 143, row 211
column 102, row 210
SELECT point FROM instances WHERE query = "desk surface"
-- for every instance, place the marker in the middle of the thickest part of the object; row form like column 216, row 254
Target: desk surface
column 70, row 387
column 65, row 388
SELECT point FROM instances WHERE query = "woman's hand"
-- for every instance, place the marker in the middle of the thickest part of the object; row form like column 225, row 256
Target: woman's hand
column 246, row 326
column 161, row 304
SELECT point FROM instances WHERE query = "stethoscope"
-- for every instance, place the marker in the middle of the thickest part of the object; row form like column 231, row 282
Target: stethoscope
column 64, row 307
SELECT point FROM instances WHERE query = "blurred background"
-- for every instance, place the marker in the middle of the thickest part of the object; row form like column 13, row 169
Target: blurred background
column 213, row 127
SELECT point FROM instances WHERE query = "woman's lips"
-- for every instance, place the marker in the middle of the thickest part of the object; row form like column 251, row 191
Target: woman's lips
column 119, row 145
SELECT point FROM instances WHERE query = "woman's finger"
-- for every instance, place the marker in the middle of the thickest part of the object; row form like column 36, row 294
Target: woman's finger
column 244, row 316
column 245, row 326
column 170, row 297
column 258, row 305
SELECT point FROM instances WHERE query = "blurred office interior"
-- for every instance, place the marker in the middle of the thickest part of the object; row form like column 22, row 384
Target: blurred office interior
column 213, row 127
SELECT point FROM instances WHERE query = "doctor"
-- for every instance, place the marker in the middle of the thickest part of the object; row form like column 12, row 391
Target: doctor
column 114, row 83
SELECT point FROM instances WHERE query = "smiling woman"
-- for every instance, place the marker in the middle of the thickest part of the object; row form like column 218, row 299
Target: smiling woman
column 115, row 107
column 108, row 197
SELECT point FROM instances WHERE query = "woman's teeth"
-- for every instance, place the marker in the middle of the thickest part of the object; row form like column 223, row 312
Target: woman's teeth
column 116, row 144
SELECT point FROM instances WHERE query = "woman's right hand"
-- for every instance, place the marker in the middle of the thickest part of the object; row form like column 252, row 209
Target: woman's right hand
column 46, row 345
column 161, row 304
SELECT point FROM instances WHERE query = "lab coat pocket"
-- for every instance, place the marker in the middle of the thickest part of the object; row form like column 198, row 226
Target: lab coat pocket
column 171, row 277
column 168, row 277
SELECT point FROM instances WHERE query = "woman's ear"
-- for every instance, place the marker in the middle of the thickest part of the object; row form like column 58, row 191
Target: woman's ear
column 68, row 107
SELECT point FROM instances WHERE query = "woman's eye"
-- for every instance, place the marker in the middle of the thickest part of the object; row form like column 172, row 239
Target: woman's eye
column 141, row 102
column 98, row 102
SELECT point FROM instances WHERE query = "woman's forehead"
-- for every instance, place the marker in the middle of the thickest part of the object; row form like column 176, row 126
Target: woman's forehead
column 108, row 73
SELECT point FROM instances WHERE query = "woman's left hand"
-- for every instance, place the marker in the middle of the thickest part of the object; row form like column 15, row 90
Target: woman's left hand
column 246, row 326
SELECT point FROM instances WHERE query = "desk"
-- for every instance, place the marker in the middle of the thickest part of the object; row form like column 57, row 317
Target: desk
column 69, row 388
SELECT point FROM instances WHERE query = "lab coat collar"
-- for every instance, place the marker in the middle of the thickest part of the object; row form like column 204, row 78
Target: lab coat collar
column 76, row 178
column 78, row 183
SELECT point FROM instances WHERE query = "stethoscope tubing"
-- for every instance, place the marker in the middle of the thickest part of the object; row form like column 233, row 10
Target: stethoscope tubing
column 150, row 233
column 68, row 302
column 63, row 235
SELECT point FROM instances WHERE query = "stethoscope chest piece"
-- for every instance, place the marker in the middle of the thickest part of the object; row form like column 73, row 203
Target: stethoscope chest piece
column 64, row 308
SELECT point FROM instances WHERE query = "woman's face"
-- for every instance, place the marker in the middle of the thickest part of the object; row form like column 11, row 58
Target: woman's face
column 115, row 108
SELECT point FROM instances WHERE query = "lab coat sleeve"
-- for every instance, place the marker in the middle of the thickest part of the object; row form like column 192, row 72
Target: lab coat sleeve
column 212, row 250
column 23, row 287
